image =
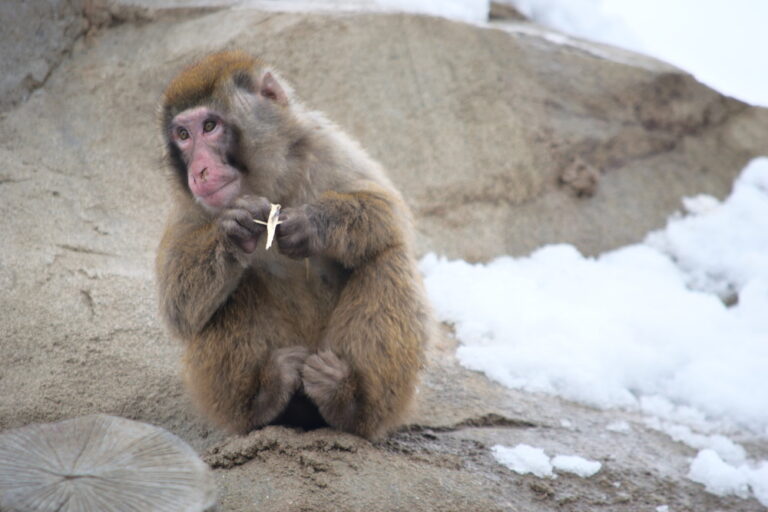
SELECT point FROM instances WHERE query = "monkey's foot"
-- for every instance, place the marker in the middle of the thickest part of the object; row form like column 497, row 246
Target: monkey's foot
column 280, row 380
column 327, row 382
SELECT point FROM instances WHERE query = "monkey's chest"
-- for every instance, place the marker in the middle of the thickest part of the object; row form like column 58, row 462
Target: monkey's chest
column 298, row 294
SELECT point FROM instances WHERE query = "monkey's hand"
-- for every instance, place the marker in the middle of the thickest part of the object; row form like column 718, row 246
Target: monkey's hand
column 327, row 382
column 237, row 224
column 297, row 235
column 280, row 379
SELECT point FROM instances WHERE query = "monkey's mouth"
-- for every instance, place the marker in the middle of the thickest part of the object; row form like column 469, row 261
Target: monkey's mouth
column 221, row 196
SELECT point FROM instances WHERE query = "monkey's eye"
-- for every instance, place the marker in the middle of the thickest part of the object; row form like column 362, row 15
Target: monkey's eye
column 209, row 125
column 182, row 133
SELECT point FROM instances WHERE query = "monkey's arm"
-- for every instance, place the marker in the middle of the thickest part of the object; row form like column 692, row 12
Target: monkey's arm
column 351, row 226
column 200, row 262
column 195, row 276
column 363, row 377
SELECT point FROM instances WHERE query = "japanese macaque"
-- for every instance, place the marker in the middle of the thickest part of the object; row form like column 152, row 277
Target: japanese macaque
column 329, row 325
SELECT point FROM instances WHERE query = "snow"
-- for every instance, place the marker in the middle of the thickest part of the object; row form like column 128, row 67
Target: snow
column 758, row 482
column 718, row 477
column 722, row 248
column 621, row 427
column 582, row 18
column 579, row 466
column 661, row 408
column 723, row 446
column 640, row 322
column 643, row 327
column 723, row 479
column 525, row 459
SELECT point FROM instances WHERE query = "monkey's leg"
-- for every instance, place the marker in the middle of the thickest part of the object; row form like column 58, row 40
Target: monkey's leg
column 235, row 372
column 364, row 377
column 241, row 382
column 278, row 382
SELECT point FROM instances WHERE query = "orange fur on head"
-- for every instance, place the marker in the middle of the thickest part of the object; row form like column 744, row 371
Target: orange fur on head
column 199, row 81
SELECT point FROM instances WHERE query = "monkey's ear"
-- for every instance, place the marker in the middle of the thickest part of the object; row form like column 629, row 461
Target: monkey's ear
column 272, row 90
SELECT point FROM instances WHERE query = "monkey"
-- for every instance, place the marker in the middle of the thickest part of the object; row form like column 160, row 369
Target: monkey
column 335, row 321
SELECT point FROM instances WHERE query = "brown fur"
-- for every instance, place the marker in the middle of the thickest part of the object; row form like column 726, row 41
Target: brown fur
column 259, row 330
column 199, row 81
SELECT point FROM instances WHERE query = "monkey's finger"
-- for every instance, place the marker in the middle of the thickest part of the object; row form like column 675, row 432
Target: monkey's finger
column 326, row 365
column 292, row 356
column 314, row 362
column 313, row 376
column 291, row 239
column 235, row 230
column 290, row 242
column 313, row 381
column 293, row 246
column 293, row 359
column 258, row 207
column 293, row 221
column 243, row 219
column 338, row 367
column 331, row 359
column 295, row 350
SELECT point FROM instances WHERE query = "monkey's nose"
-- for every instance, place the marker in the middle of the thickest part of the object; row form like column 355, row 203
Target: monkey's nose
column 204, row 174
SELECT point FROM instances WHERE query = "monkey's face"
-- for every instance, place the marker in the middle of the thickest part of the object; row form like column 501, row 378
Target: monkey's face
column 225, row 119
column 204, row 139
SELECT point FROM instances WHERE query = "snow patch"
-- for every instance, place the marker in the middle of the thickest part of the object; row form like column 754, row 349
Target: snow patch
column 639, row 326
column 525, row 459
column 645, row 327
column 718, row 477
column 621, row 427
column 579, row 466
column 723, row 446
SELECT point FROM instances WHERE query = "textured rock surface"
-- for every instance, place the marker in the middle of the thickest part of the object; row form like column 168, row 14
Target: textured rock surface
column 34, row 36
column 501, row 139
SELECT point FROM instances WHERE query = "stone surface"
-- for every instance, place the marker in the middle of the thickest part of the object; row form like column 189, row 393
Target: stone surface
column 101, row 462
column 501, row 138
column 34, row 36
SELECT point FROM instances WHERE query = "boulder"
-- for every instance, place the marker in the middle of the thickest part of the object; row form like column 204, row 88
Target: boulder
column 34, row 36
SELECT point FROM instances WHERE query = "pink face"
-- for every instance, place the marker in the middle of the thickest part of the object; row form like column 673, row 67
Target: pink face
column 201, row 136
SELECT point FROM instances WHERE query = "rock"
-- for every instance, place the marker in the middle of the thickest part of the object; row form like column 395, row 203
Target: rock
column 502, row 139
column 501, row 11
column 34, row 37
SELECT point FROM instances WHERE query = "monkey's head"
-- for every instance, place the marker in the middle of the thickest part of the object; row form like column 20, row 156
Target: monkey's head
column 217, row 115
